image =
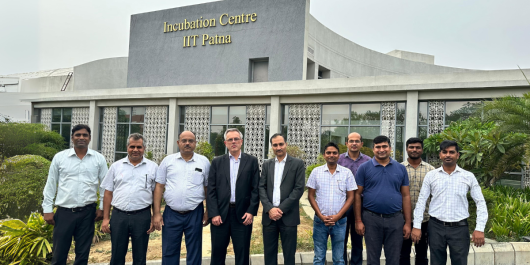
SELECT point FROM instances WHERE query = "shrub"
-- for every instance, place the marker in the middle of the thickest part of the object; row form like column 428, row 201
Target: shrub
column 367, row 151
column 292, row 150
column 29, row 243
column 205, row 149
column 22, row 180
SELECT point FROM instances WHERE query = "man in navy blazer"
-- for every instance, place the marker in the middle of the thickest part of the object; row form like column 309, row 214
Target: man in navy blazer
column 232, row 200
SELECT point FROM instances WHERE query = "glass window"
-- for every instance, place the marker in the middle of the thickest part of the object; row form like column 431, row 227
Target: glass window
column 368, row 134
column 56, row 115
column 62, row 123
column 138, row 114
column 268, row 113
column 401, row 113
column 130, row 120
column 335, row 114
column 285, row 114
column 422, row 132
column 219, row 115
column 67, row 115
column 217, row 139
column 366, row 114
column 400, row 140
column 337, row 135
column 222, row 118
column 460, row 110
column 122, row 132
column 124, row 114
column 238, row 115
column 422, row 113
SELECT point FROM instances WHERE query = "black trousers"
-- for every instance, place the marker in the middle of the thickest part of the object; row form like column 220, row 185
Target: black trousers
column 383, row 232
column 357, row 241
column 80, row 226
column 456, row 237
column 288, row 235
column 240, row 234
column 420, row 247
column 123, row 226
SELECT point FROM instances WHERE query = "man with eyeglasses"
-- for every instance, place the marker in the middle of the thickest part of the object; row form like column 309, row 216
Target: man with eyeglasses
column 352, row 159
column 129, row 187
column 233, row 199
column 73, row 180
column 330, row 193
column 184, row 176
column 280, row 188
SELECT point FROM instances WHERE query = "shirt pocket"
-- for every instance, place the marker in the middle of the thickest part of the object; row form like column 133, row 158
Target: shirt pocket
column 462, row 188
column 197, row 178
column 149, row 182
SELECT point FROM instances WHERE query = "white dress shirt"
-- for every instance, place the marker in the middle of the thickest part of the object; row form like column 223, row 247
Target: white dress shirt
column 234, row 169
column 449, row 197
column 278, row 173
column 184, row 180
column 76, row 181
column 132, row 186
column 331, row 188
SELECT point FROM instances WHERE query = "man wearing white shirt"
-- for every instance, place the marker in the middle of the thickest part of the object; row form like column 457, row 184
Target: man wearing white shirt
column 129, row 187
column 448, row 209
column 184, row 176
column 74, row 176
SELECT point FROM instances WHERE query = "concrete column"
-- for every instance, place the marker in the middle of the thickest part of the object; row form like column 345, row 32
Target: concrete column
column 276, row 115
column 173, row 127
column 93, row 123
column 411, row 126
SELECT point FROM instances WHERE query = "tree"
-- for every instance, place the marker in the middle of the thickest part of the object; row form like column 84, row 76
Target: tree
column 28, row 138
column 484, row 149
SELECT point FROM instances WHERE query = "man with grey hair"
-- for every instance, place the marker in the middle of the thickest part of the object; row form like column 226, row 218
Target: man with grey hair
column 129, row 186
column 233, row 199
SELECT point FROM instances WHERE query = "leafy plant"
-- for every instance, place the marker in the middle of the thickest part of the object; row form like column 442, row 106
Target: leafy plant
column 485, row 150
column 22, row 179
column 26, row 243
column 292, row 150
column 205, row 149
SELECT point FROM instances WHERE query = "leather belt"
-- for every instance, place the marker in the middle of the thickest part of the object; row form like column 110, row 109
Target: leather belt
column 459, row 223
column 384, row 215
column 232, row 205
column 77, row 209
column 132, row 212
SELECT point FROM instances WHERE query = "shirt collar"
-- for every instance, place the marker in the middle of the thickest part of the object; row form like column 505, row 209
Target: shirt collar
column 276, row 158
column 179, row 156
column 358, row 158
column 336, row 169
column 375, row 163
column 457, row 169
column 406, row 163
column 127, row 161
column 231, row 156
column 71, row 152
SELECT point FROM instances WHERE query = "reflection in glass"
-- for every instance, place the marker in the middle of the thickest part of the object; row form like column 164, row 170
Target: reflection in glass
column 138, row 114
column 285, row 114
column 365, row 114
column 284, row 131
column 67, row 115
column 124, row 114
column 422, row 132
column 100, row 136
column 460, row 110
column 182, row 113
column 122, row 132
column 118, row 156
column 368, row 134
column 238, row 115
column 217, row 139
column 101, row 114
column 137, row 128
column 219, row 115
column 337, row 135
column 335, row 114
column 65, row 132
column 401, row 112
column 56, row 115
column 400, row 140
column 422, row 113
column 56, row 128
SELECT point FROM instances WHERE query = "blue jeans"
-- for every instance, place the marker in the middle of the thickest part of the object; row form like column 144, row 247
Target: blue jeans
column 321, row 232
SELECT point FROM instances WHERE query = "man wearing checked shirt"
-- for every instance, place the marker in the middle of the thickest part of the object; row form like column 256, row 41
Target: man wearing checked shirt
column 129, row 187
column 184, row 176
column 333, row 186
column 448, row 225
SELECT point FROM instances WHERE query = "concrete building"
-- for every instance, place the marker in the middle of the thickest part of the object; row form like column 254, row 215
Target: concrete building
column 263, row 66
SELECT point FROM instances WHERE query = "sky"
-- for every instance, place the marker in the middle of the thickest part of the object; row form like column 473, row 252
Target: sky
column 40, row 35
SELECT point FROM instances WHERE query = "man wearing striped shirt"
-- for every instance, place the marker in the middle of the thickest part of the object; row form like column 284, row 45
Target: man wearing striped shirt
column 448, row 209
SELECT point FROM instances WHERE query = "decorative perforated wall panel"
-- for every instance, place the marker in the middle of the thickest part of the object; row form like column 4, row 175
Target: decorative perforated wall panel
column 46, row 117
column 255, row 131
column 108, row 141
column 436, row 116
column 79, row 116
column 155, row 130
column 525, row 179
column 304, row 129
column 197, row 120
column 388, row 120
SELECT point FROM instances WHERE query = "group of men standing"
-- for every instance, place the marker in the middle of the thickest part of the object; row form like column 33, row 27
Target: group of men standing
column 353, row 195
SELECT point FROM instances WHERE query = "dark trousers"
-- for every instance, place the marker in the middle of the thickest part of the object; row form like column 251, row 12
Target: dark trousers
column 176, row 225
column 383, row 231
column 80, row 226
column 420, row 247
column 240, row 234
column 288, row 235
column 123, row 225
column 356, row 241
column 456, row 237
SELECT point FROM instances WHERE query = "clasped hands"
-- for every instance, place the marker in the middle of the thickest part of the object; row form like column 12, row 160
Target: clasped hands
column 330, row 220
column 275, row 214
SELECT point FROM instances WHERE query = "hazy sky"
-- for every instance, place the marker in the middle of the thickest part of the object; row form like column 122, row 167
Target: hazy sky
column 478, row 34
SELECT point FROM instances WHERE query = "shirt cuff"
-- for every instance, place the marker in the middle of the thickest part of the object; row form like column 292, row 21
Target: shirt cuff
column 47, row 209
column 417, row 224
column 480, row 228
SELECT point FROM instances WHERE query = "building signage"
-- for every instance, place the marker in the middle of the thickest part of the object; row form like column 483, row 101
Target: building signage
column 224, row 20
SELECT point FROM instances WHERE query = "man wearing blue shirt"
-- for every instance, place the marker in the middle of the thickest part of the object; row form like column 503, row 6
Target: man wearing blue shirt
column 386, row 208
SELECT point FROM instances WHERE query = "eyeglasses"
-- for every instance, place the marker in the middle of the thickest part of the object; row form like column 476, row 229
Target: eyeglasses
column 187, row 141
column 233, row 140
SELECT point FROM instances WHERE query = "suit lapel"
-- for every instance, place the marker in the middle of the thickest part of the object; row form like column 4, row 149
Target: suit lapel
column 242, row 163
column 226, row 162
column 286, row 168
column 272, row 169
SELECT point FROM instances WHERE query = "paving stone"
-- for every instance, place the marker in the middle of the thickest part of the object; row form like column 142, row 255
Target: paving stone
column 504, row 253
column 307, row 257
column 522, row 253
column 257, row 259
column 484, row 255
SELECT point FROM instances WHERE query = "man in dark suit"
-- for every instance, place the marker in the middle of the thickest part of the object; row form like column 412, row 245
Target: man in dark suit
column 280, row 188
column 232, row 200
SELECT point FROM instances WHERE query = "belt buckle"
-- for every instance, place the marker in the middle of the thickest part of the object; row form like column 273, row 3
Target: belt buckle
column 73, row 210
column 448, row 224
